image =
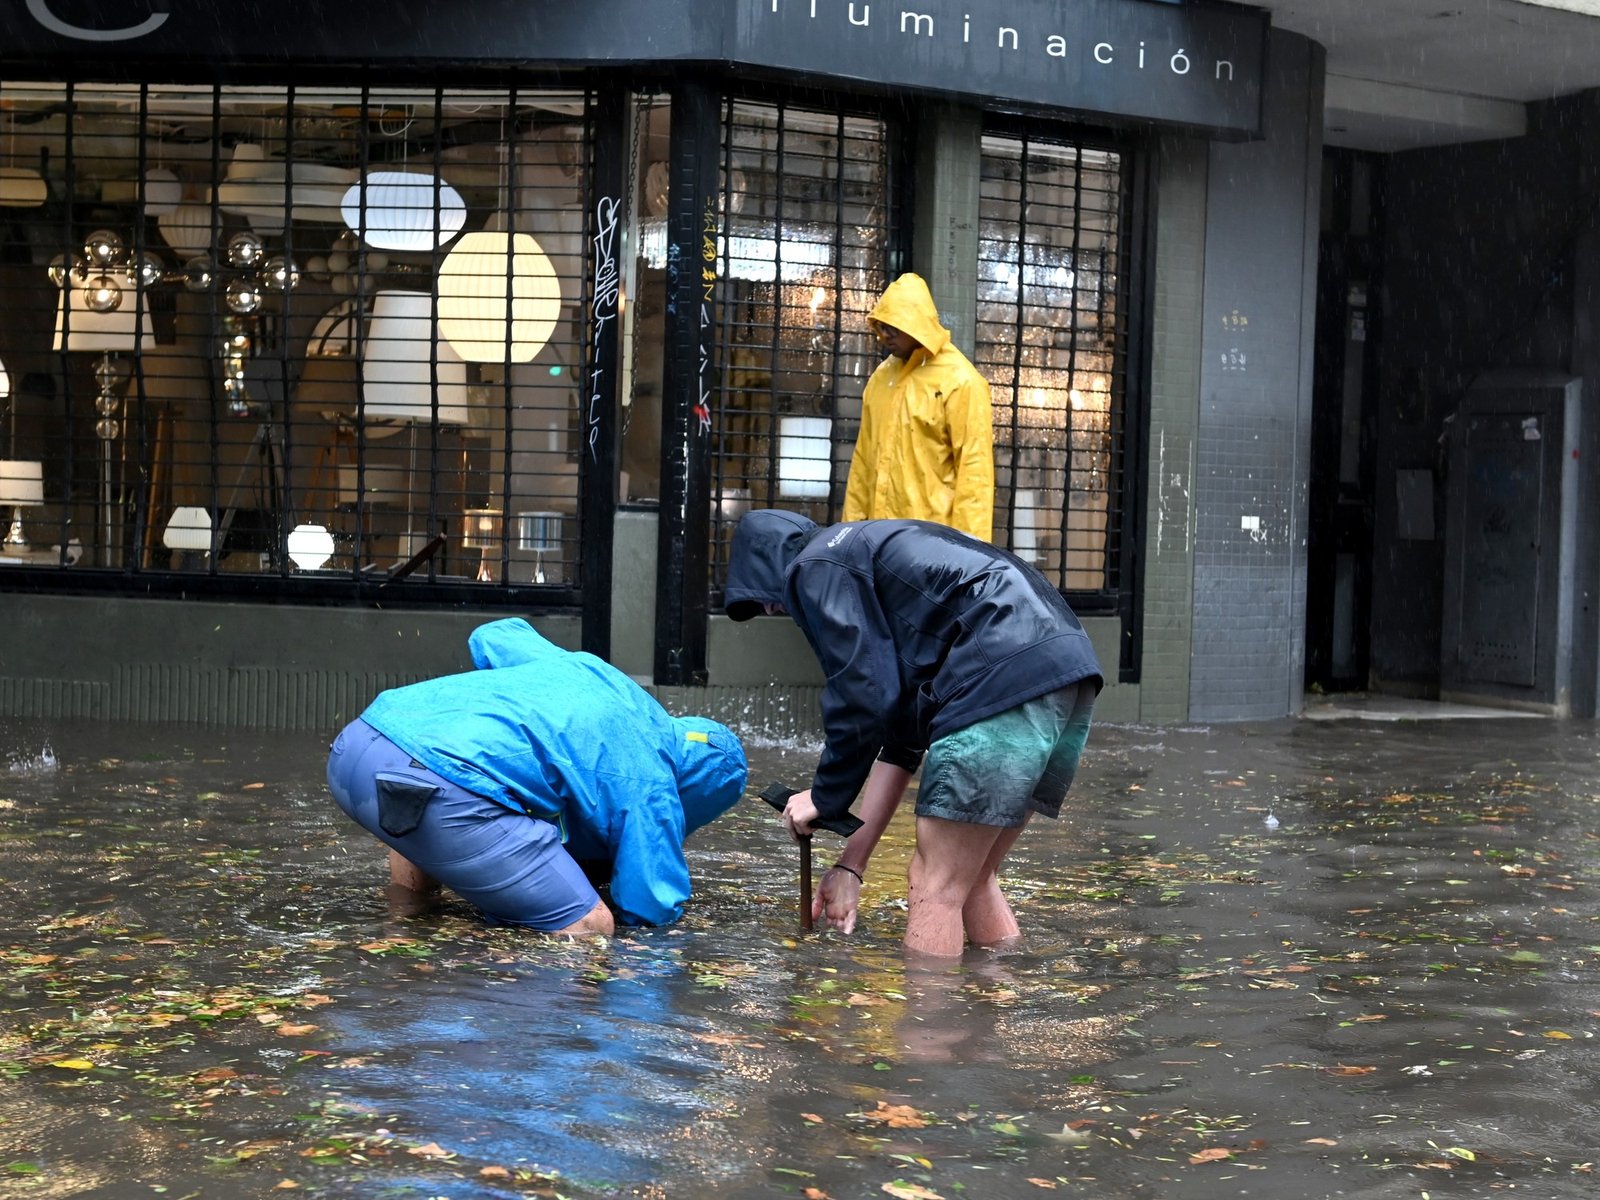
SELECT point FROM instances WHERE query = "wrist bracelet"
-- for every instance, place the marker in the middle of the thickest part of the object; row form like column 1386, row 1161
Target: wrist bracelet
column 851, row 870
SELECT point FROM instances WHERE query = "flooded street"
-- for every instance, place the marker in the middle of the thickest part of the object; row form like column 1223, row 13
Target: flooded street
column 1299, row 959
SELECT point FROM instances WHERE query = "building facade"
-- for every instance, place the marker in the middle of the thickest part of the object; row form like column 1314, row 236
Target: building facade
column 325, row 341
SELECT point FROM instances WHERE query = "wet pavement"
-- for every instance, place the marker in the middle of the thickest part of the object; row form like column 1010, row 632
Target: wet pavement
column 1299, row 959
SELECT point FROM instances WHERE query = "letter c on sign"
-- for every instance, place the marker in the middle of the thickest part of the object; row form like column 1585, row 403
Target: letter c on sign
column 40, row 9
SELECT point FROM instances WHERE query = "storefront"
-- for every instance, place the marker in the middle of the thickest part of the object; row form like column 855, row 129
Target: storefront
column 351, row 331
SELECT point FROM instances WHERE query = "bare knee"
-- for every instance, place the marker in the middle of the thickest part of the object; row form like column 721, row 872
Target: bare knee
column 597, row 922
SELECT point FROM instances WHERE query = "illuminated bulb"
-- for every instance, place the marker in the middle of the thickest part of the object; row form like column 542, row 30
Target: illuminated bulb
column 245, row 250
column 102, row 294
column 280, row 273
column 103, row 247
column 310, row 546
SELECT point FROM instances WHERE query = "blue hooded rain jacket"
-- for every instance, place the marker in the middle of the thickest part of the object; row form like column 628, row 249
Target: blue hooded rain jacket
column 567, row 737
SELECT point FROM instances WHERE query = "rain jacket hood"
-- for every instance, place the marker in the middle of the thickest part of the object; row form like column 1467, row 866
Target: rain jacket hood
column 925, row 448
column 908, row 305
column 567, row 737
column 764, row 544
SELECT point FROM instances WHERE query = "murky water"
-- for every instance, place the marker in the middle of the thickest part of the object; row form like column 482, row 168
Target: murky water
column 1305, row 959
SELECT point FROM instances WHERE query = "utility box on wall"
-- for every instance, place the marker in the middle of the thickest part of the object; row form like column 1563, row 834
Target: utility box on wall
column 1510, row 544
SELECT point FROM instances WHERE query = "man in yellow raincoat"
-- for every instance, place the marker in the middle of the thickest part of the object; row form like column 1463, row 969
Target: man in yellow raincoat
column 926, row 446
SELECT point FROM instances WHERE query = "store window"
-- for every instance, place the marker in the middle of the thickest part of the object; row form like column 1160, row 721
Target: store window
column 320, row 334
column 1052, row 341
column 803, row 258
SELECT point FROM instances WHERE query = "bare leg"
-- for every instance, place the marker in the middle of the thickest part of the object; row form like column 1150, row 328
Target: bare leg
column 411, row 891
column 597, row 922
column 986, row 915
column 950, row 860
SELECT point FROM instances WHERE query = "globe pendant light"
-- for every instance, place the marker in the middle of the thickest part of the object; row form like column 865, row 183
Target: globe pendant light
column 473, row 305
column 395, row 210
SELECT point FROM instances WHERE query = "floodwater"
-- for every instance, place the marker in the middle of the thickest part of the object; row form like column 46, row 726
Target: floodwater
column 1300, row 959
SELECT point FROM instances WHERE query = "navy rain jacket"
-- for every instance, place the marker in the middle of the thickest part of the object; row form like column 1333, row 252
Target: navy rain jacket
column 920, row 629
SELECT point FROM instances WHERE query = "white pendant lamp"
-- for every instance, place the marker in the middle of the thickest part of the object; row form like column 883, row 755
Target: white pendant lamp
column 400, row 210
column 5, row 382
column 473, row 305
column 187, row 229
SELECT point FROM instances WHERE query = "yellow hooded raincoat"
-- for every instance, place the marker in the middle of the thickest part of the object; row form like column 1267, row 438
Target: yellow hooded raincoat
column 926, row 447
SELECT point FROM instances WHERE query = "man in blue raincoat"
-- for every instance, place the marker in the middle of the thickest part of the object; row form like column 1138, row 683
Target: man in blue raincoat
column 499, row 782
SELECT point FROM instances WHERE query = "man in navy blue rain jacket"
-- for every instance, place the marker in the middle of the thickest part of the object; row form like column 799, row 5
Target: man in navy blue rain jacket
column 498, row 782
column 932, row 643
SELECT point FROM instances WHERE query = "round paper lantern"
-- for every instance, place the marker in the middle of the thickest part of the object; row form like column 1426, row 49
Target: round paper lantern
column 472, row 297
column 187, row 229
column 399, row 210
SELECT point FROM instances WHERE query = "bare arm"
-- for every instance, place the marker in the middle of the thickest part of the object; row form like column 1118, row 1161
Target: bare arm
column 838, row 895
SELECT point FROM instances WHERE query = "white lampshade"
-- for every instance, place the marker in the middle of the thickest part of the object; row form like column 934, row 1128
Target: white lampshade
column 258, row 187
column 402, row 360
column 161, row 191
column 309, row 546
column 805, row 457
column 5, row 382
column 472, row 297
column 187, row 229
column 118, row 330
column 480, row 528
column 400, row 213
column 22, row 187
column 188, row 529
column 21, row 482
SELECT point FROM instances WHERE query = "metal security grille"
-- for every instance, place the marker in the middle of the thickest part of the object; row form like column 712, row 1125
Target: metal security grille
column 804, row 257
column 324, row 336
column 1052, row 341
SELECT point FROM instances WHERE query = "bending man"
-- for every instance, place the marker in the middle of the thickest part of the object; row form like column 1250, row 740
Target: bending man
column 931, row 642
column 499, row 782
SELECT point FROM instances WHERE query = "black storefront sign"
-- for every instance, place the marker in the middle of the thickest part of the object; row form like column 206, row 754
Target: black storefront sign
column 1193, row 64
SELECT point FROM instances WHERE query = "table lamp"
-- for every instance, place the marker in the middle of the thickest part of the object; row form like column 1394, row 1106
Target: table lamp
column 21, row 486
column 482, row 532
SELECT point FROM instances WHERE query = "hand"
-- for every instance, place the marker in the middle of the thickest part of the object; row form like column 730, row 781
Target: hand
column 798, row 814
column 837, row 899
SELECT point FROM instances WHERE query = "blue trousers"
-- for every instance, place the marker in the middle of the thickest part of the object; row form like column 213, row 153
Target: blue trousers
column 510, row 866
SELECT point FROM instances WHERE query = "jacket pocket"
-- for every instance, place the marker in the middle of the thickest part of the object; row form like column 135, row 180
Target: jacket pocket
column 401, row 802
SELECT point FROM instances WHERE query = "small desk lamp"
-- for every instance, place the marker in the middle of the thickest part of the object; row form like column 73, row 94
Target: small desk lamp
column 21, row 486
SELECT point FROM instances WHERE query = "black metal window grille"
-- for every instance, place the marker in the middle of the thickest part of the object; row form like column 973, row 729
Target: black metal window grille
column 803, row 257
column 1052, row 340
column 240, row 341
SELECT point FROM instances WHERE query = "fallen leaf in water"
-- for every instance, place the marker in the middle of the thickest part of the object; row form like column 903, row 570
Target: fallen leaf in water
column 214, row 1075
column 811, row 1117
column 1213, row 1154
column 431, row 1150
column 1556, row 1033
column 1342, row 1069
column 74, row 1064
column 910, row 1191
column 493, row 1173
column 896, row 1116
column 1042, row 1183
column 1321, row 1142
column 284, row 1184
column 250, row 787
column 812, row 1193
column 288, row 1030
column 862, row 1000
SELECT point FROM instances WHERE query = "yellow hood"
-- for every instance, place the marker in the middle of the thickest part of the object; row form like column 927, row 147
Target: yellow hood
column 908, row 306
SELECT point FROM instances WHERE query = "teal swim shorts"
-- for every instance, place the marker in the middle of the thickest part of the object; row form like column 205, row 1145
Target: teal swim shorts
column 1013, row 764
